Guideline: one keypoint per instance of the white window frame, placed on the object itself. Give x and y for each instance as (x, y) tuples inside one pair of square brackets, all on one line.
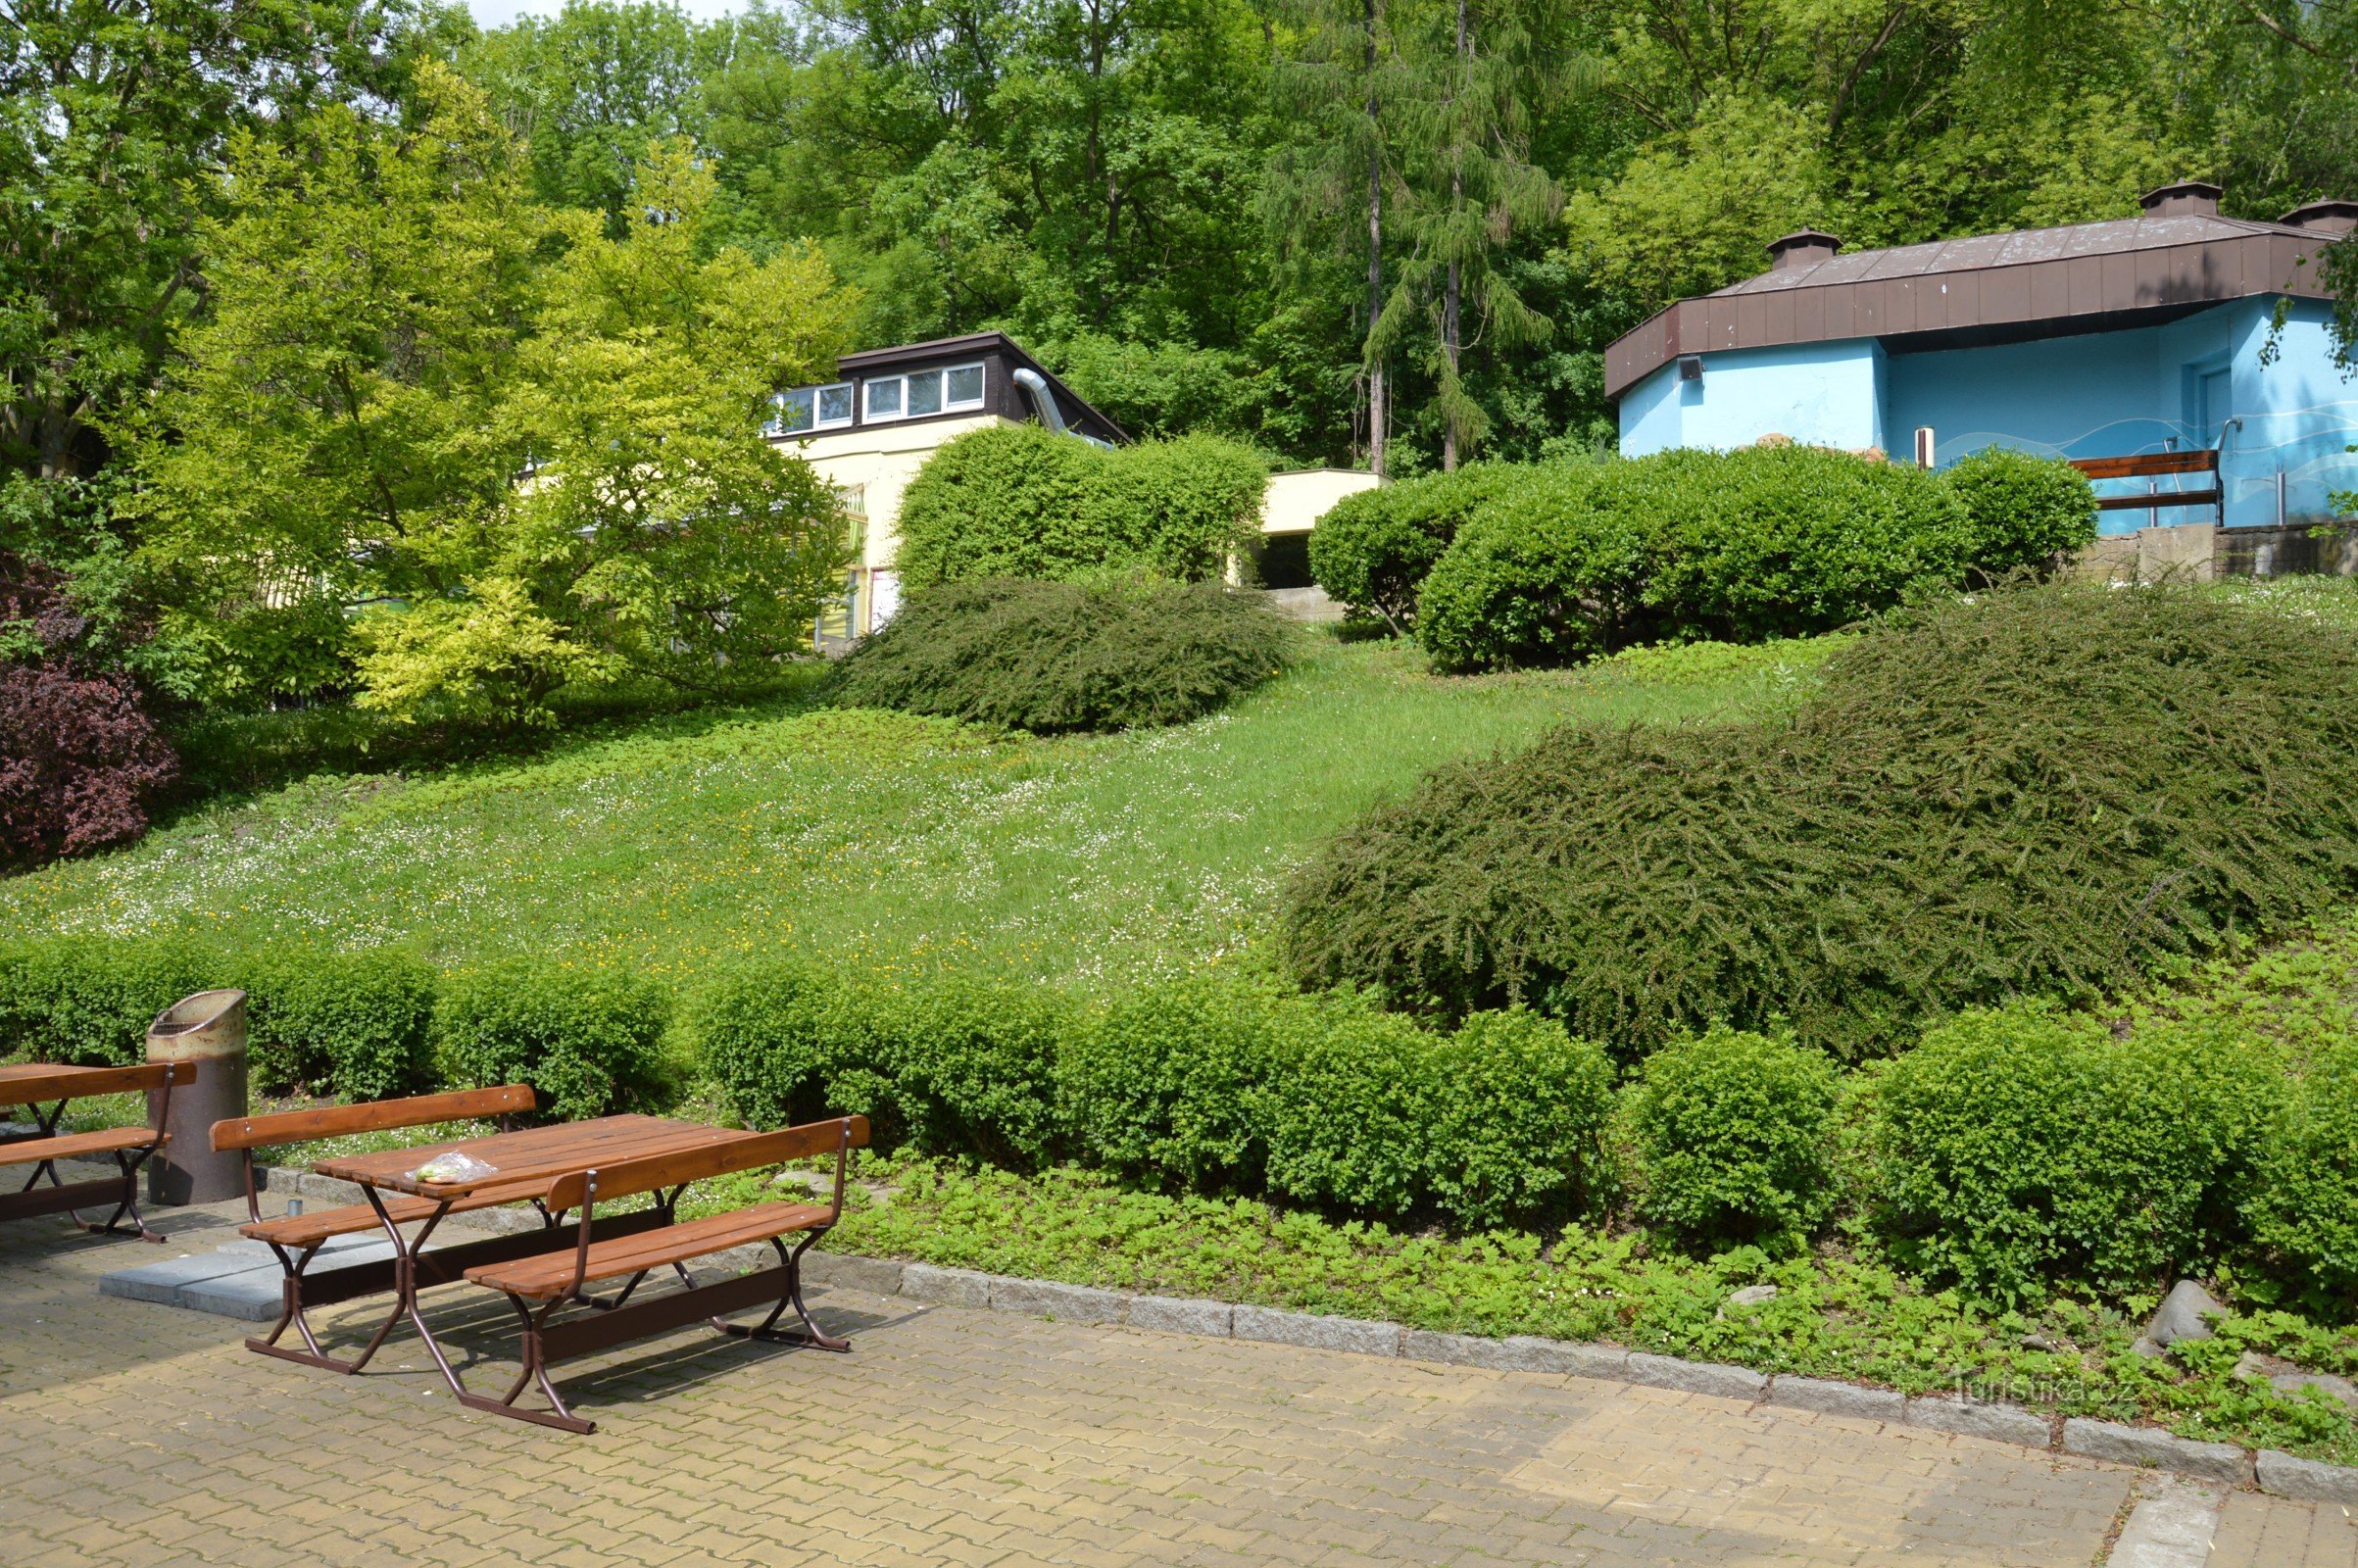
[(941, 376), (819, 421)]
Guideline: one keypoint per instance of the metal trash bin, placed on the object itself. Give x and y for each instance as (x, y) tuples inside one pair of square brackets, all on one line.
[(209, 1030)]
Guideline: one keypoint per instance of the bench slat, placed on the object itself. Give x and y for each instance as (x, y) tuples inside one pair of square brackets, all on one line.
[(308, 1230), (749, 1153), (78, 1083), (551, 1273), (72, 1146), (376, 1116)]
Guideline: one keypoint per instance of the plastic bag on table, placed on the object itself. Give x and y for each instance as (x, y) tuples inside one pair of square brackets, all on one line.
[(454, 1166)]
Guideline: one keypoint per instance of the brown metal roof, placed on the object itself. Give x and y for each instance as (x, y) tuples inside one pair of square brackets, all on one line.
[(2038, 282)]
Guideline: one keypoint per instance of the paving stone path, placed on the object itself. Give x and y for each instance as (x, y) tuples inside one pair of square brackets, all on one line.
[(143, 1435)]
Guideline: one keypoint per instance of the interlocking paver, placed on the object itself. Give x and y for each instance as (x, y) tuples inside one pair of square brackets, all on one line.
[(959, 1437)]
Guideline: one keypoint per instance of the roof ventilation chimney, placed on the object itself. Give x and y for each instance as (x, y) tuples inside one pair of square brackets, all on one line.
[(2333, 216), (2189, 198), (1803, 247)]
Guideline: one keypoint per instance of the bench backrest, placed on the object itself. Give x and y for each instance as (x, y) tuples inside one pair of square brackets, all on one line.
[(75, 1083), (377, 1115), (2148, 464), (749, 1153)]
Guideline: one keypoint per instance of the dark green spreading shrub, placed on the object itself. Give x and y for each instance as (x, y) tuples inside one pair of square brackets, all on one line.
[(1019, 501), (1372, 550), (2044, 792), (1054, 657), (1730, 1140), (1566, 561), (2023, 512), (588, 1042), (87, 1001), (358, 1025), (2018, 1147)]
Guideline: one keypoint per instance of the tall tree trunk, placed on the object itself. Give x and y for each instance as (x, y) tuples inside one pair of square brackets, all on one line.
[(1376, 410), (1452, 290)]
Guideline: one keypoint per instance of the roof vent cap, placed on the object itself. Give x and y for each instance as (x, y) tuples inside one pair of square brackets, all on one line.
[(2331, 216), (2189, 198), (1803, 247)]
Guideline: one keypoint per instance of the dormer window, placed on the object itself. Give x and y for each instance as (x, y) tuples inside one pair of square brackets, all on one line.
[(805, 408), (957, 389)]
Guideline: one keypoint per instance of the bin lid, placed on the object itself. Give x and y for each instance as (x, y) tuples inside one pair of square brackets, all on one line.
[(191, 1013)]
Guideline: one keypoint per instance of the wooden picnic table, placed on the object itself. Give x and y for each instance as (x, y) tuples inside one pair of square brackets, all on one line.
[(526, 1164), (46, 1088)]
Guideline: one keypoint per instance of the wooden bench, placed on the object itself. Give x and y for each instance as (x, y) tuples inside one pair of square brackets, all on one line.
[(39, 1085), (2154, 465), (537, 1287), (296, 1238)]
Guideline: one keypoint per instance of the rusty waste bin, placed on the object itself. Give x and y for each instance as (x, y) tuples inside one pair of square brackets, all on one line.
[(208, 1029)]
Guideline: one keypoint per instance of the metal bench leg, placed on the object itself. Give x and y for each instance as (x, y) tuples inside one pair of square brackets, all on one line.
[(292, 1312), (811, 1334), (535, 1369), (128, 1163)]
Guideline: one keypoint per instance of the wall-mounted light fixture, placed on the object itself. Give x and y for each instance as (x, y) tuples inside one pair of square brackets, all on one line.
[(1691, 368)]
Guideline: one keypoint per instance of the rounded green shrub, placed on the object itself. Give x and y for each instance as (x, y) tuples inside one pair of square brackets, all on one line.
[(589, 1043), (1018, 501), (1372, 550), (1517, 1116), (1549, 570), (87, 1001), (2051, 791), (2303, 1206), (1056, 657), (1730, 1140), (1164, 1083), (2022, 512), (1346, 1103), (2021, 1146), (769, 1034), (359, 1025)]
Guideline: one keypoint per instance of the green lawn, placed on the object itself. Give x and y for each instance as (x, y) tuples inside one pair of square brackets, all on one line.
[(678, 841)]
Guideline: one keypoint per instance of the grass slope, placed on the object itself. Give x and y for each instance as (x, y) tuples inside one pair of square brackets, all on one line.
[(877, 837)]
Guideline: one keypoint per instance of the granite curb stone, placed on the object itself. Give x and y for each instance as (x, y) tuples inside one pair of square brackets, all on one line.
[(2306, 1479), (1067, 1303), (1172, 1314), (1828, 1398), (1696, 1377), (2159, 1451), (1313, 1331), (1998, 1423)]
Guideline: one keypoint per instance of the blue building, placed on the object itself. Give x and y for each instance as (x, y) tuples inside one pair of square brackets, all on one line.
[(2176, 331)]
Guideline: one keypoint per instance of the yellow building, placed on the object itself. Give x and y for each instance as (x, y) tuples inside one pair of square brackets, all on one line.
[(869, 430)]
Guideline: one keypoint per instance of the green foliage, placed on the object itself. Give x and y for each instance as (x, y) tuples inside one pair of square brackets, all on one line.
[(1688, 544), (2303, 1206), (2018, 1147), (1347, 1108), (1730, 1138), (1518, 1112), (2051, 791), (1056, 657), (396, 333), (1025, 501), (358, 1025), (88, 1002), (1372, 550), (588, 1042), (1164, 1084), (2023, 512)]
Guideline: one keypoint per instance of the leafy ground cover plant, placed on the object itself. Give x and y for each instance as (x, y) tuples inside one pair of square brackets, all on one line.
[(1053, 656), (2053, 791)]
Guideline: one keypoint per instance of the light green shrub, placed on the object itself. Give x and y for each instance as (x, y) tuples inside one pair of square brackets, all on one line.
[(1730, 1140), (2022, 512), (87, 1001), (360, 1025), (1518, 1112), (2303, 1206), (1372, 550), (1549, 570), (589, 1043), (2017, 1147), (1024, 502), (1164, 1084)]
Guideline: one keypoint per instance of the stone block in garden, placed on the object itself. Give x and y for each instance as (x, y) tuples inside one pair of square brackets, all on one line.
[(2289, 1477), (949, 1286), (879, 1276)]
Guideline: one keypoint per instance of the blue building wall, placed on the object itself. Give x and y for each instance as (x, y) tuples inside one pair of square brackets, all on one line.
[(2207, 380), (1821, 393)]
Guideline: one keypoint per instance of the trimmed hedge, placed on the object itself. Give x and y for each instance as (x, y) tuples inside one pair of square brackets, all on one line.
[(1019, 501), (2051, 791), (2303, 1206), (1372, 550), (1053, 656), (2016, 1148), (1731, 1139), (1190, 1084), (87, 1001), (589, 1043), (357, 1025), (1565, 562)]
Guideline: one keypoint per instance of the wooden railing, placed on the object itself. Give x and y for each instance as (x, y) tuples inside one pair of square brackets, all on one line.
[(2151, 465)]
